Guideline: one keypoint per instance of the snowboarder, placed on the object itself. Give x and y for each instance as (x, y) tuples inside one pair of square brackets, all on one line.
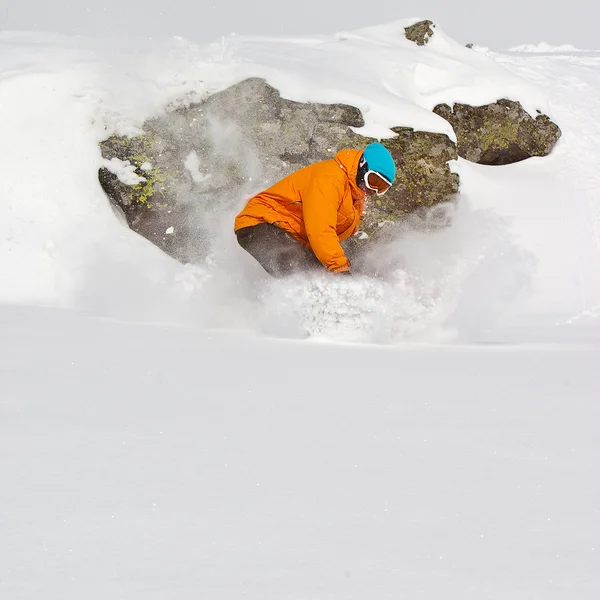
[(298, 223)]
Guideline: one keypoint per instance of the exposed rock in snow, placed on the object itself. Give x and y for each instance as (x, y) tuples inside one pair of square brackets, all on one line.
[(420, 32), (245, 138), (500, 133)]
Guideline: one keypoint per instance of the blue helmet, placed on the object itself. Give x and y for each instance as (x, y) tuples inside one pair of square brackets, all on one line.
[(380, 160)]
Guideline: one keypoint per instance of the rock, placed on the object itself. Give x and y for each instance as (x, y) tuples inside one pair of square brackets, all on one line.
[(501, 133), (423, 177), (200, 162), (420, 32)]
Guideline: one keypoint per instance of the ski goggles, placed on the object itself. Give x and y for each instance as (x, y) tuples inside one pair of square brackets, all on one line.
[(377, 182)]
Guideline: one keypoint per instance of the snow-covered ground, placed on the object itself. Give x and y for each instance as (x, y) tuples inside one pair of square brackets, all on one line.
[(198, 431)]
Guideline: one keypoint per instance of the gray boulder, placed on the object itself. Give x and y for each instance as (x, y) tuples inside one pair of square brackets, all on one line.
[(500, 133), (194, 165)]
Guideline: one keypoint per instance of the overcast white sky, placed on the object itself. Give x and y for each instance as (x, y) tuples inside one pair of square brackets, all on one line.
[(494, 24)]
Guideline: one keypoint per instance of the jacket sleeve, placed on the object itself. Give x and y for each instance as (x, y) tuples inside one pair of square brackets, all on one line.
[(320, 202)]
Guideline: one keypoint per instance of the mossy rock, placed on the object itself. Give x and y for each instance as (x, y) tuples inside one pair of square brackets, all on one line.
[(420, 33), (140, 152), (423, 178), (500, 133), (205, 159)]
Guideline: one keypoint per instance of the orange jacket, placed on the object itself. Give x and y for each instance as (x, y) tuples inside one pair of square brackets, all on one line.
[(320, 205)]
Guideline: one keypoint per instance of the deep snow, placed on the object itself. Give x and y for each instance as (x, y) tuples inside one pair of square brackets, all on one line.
[(159, 437), (144, 461)]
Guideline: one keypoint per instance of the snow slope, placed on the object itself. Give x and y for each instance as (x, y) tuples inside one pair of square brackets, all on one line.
[(160, 439), (60, 232), (154, 462)]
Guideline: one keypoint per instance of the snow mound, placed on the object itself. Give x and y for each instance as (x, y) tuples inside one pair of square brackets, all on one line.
[(544, 47)]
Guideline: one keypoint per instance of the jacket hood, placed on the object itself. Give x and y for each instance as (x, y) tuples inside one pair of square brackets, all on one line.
[(348, 161)]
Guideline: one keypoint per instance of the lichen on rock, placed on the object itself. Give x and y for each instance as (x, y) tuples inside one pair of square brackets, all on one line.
[(139, 152)]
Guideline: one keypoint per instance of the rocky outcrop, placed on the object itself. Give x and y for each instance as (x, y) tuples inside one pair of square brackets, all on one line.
[(501, 133), (420, 32), (423, 179), (192, 165)]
